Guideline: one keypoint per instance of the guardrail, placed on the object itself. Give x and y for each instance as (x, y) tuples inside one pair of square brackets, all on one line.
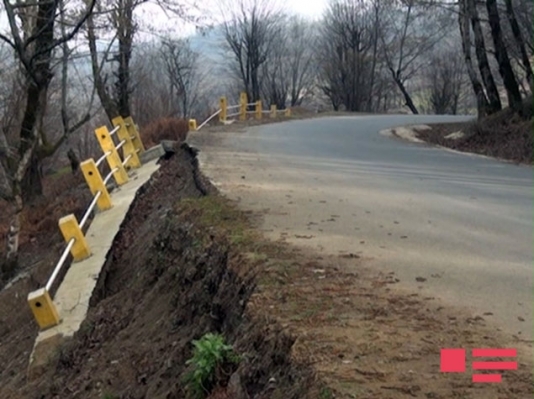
[(243, 107), (129, 142)]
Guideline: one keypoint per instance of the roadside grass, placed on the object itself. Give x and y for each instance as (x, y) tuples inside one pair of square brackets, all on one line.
[(61, 172), (293, 290)]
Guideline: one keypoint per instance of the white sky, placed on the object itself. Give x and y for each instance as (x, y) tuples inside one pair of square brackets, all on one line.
[(155, 21), (307, 8)]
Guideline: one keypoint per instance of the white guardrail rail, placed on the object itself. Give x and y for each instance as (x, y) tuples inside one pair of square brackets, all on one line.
[(244, 110), (130, 145)]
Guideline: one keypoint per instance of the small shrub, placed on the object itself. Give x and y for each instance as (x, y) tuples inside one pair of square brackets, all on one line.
[(211, 357), (326, 393), (164, 129)]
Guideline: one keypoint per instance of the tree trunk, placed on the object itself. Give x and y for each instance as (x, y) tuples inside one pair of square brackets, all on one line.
[(501, 54), (105, 99), (465, 32), (73, 159), (10, 264), (407, 97), (520, 42), (38, 79), (369, 106), (32, 185), (494, 101)]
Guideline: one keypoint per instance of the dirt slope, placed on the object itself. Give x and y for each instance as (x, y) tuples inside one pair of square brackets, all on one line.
[(165, 283), (504, 135)]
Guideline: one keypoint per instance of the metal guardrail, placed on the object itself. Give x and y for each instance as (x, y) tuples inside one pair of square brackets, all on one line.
[(209, 119), (243, 107), (131, 146)]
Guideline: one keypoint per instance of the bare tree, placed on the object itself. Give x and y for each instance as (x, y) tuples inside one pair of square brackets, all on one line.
[(119, 16), (445, 79), (501, 54), (250, 32), (97, 66), (275, 74), (181, 67), (66, 115), (494, 101), (151, 96), (409, 32), (465, 34), (520, 43), (289, 73), (112, 70), (345, 54), (301, 68), (122, 20), (33, 38)]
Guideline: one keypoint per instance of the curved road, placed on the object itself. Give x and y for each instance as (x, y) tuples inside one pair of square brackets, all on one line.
[(455, 226)]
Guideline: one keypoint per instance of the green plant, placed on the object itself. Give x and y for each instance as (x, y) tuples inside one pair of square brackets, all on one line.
[(210, 354), (326, 393)]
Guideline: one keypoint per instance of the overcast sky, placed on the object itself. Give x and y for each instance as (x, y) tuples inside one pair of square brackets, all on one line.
[(154, 21), (308, 8)]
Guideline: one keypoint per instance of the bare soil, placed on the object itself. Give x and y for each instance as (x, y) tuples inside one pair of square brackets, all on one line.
[(166, 282), (504, 135)]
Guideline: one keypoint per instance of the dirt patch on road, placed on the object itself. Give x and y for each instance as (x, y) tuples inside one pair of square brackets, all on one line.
[(504, 135)]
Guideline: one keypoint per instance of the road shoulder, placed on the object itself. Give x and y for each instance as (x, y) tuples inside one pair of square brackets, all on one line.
[(362, 333)]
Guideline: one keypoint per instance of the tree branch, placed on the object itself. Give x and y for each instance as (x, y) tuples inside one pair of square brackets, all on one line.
[(69, 36)]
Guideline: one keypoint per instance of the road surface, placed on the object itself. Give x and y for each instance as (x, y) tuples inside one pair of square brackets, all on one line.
[(454, 226)]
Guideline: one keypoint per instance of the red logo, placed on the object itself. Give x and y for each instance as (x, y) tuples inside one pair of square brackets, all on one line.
[(452, 360)]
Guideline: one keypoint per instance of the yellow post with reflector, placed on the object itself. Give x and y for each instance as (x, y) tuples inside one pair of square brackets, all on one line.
[(96, 183), (71, 229), (224, 109), (243, 101), (258, 109), (132, 129), (114, 161), (273, 111), (128, 148), (193, 125), (43, 308)]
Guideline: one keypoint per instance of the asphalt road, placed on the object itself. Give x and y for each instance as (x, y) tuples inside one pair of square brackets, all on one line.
[(455, 226)]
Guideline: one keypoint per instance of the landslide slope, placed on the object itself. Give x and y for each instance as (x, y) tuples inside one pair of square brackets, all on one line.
[(166, 283)]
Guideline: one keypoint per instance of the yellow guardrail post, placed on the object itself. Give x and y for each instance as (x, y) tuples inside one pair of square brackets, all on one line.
[(258, 109), (96, 183), (273, 111), (193, 125), (243, 101), (43, 308), (132, 129), (224, 109), (114, 161), (128, 149), (71, 229), (288, 112)]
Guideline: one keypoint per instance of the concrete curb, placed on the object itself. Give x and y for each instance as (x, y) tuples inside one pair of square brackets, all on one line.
[(407, 133)]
